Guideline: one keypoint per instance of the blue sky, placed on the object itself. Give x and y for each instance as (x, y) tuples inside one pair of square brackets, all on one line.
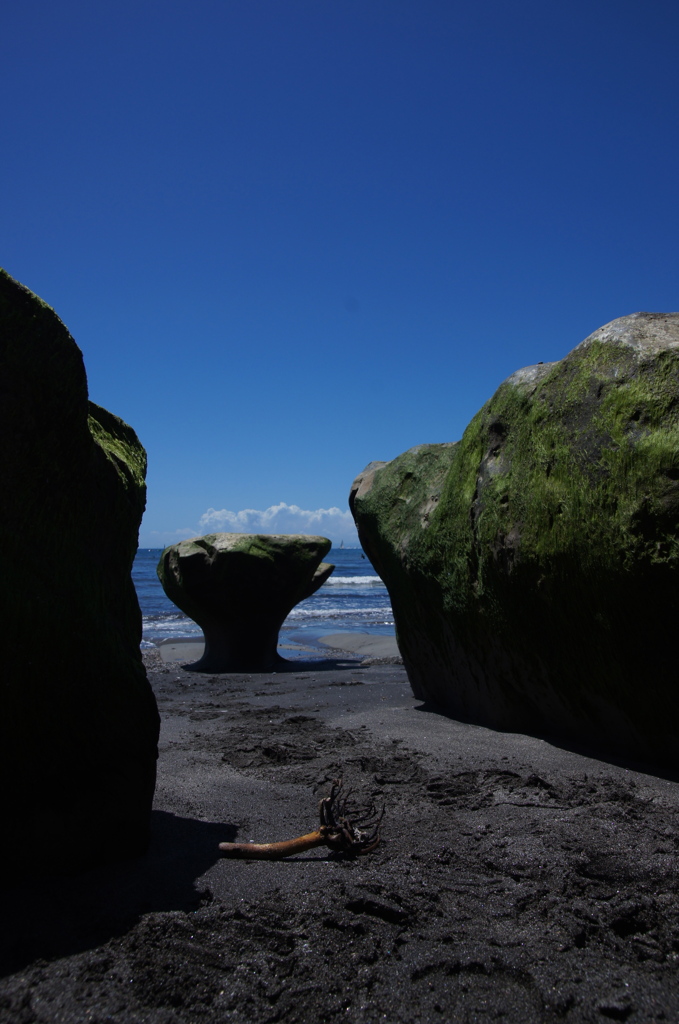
[(295, 236)]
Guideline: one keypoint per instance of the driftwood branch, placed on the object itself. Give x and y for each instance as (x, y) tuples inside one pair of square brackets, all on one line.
[(344, 827)]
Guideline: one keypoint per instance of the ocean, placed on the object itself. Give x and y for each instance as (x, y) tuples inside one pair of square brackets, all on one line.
[(353, 600)]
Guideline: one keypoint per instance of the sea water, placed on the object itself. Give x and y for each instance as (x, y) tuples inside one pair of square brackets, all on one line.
[(352, 600)]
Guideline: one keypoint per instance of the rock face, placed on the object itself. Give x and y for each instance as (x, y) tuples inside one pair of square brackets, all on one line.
[(533, 566), (78, 720), (239, 588)]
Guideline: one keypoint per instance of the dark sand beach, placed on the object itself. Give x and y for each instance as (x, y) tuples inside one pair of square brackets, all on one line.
[(516, 880)]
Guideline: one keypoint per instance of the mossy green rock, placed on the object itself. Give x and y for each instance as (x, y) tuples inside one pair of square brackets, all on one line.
[(239, 588), (78, 720), (533, 566)]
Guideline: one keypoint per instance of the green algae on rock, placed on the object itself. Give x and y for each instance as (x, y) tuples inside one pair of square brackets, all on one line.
[(239, 588), (533, 566), (79, 724)]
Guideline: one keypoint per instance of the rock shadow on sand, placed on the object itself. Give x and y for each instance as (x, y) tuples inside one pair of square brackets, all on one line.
[(50, 917), (596, 752)]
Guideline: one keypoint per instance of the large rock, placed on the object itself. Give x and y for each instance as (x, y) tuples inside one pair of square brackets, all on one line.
[(78, 720), (533, 567), (239, 588)]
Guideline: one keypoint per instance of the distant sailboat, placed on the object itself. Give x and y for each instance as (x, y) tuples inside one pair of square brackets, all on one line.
[(341, 544)]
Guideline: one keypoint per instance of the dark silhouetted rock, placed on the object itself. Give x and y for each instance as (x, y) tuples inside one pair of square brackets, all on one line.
[(239, 588), (78, 720), (533, 567)]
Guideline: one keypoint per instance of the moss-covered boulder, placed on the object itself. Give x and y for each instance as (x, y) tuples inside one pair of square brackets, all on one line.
[(533, 566), (78, 720), (239, 588)]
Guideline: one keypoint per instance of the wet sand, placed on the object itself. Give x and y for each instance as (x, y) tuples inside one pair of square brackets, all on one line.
[(516, 880)]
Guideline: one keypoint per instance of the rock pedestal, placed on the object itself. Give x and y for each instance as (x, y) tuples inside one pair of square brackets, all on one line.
[(533, 566), (239, 588), (78, 720)]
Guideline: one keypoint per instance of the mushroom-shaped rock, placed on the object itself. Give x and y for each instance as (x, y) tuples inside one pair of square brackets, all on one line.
[(239, 588), (533, 566), (78, 720)]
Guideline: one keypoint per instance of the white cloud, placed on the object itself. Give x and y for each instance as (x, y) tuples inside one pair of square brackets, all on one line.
[(334, 523)]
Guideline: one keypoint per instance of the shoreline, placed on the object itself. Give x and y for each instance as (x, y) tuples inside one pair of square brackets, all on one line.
[(515, 878), (376, 647)]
